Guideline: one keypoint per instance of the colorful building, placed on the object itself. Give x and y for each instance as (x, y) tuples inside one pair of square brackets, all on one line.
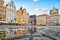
[(19, 16), (47, 19), (10, 13), (25, 17), (2, 12), (59, 19), (42, 19), (22, 17), (32, 20), (54, 16), (21, 32)]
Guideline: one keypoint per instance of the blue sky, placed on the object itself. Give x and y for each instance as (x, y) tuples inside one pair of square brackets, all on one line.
[(33, 6)]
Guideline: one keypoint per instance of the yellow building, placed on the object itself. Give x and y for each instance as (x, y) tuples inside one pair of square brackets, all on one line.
[(22, 17), (2, 11), (41, 20), (19, 17)]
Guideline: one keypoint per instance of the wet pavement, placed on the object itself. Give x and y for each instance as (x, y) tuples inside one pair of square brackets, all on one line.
[(50, 33)]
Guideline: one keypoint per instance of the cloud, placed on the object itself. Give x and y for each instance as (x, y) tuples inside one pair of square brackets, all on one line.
[(24, 6), (6, 0), (41, 11), (35, 0)]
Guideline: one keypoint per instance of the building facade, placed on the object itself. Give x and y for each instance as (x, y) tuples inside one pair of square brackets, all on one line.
[(22, 17), (10, 13), (42, 19), (32, 20), (54, 16), (25, 17), (2, 12), (19, 16), (59, 19), (47, 19)]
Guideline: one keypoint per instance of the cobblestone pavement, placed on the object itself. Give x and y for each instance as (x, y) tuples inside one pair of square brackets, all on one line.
[(52, 33)]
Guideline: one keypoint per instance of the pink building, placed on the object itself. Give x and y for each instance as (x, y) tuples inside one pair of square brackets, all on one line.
[(47, 19)]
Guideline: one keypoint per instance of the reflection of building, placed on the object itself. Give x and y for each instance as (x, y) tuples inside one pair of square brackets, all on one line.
[(2, 11), (10, 12), (22, 17), (32, 19), (21, 32), (42, 19), (54, 16)]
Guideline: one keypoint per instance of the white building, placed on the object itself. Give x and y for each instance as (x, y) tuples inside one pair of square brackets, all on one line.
[(54, 16), (10, 12)]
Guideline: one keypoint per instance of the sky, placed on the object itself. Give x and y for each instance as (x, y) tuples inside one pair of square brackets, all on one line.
[(37, 7)]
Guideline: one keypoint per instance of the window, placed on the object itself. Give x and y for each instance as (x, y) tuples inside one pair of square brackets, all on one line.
[(0, 12), (0, 17), (0, 7), (0, 2), (0, 33)]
